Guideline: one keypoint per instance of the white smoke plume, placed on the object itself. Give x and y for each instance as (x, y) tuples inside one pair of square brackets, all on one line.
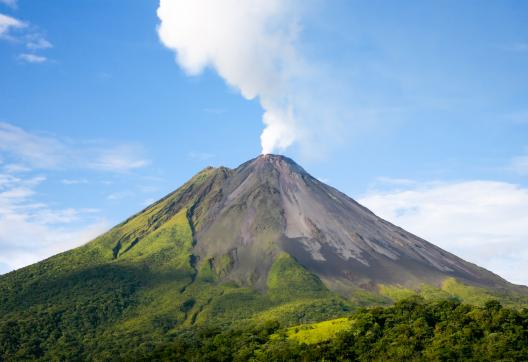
[(251, 44)]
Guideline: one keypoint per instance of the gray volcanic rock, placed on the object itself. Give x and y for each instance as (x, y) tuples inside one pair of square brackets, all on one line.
[(270, 205)]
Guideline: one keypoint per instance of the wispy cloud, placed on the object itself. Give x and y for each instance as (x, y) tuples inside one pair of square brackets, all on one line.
[(11, 3), (32, 58), (74, 181), (481, 221), (121, 158), (31, 230), (15, 168), (119, 195), (49, 152), (36, 42), (21, 32), (7, 23), (34, 149)]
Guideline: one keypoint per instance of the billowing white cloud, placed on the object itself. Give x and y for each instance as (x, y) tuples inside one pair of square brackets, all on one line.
[(252, 45), (485, 222)]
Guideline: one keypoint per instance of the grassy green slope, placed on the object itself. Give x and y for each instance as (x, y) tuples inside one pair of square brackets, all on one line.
[(456, 290)]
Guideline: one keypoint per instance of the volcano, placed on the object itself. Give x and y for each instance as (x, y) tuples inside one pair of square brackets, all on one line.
[(271, 205), (262, 241)]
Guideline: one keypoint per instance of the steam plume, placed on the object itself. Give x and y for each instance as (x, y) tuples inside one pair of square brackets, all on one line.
[(251, 45)]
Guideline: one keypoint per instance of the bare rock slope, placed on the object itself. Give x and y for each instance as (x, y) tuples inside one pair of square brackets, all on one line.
[(244, 217)]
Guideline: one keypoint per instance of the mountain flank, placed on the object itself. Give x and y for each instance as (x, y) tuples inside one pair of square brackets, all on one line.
[(264, 241)]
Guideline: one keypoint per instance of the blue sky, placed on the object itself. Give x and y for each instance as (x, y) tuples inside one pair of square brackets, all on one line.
[(419, 109)]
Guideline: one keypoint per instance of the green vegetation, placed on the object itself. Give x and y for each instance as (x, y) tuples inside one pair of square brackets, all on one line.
[(112, 309), (116, 312), (469, 294), (287, 279), (455, 290), (318, 332), (411, 330), (395, 292), (145, 290)]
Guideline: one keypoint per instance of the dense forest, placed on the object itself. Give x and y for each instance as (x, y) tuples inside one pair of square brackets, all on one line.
[(411, 329)]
